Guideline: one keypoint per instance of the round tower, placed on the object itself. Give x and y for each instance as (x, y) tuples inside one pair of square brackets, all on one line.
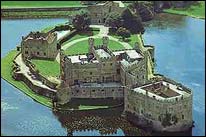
[(105, 41), (91, 44)]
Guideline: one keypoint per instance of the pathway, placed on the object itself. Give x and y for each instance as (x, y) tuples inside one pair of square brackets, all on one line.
[(103, 32), (25, 71)]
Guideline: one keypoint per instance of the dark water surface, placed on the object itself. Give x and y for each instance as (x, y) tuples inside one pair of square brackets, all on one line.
[(179, 54)]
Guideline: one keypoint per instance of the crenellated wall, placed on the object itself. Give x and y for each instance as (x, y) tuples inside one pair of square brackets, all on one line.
[(172, 114)]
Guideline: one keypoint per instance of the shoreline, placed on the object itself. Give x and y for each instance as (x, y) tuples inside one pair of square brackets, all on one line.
[(37, 98), (196, 17)]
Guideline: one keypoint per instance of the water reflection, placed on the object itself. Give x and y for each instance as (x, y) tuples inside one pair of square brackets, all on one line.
[(105, 121)]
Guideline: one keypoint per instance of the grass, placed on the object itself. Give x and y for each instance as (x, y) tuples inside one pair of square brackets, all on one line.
[(82, 46), (83, 35), (19, 4), (47, 68), (39, 14), (197, 10), (131, 40), (84, 107), (6, 69)]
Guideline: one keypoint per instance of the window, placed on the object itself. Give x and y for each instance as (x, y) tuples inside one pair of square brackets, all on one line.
[(37, 53), (44, 54), (93, 90), (111, 64), (182, 116), (118, 71), (26, 52), (90, 73), (112, 90)]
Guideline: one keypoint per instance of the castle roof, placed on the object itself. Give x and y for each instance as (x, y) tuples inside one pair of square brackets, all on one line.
[(133, 54), (102, 53), (162, 90)]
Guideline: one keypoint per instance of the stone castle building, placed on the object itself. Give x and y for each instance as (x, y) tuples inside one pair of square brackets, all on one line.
[(98, 12), (126, 75), (39, 45)]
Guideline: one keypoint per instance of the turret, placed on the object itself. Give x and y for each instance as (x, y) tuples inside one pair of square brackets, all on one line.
[(91, 44), (105, 41)]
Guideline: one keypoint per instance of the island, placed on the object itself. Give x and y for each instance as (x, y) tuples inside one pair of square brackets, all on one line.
[(95, 60)]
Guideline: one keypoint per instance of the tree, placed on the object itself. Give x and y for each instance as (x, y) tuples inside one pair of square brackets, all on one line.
[(114, 20), (132, 22), (123, 32), (81, 21)]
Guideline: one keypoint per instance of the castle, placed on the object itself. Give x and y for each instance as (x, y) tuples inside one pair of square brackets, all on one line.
[(39, 45), (149, 100)]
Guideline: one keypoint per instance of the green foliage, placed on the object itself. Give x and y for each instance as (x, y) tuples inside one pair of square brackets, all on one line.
[(81, 21), (123, 32), (132, 22), (114, 20)]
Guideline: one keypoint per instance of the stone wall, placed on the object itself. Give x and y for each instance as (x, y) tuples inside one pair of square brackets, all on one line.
[(39, 90), (39, 47), (97, 92), (168, 115)]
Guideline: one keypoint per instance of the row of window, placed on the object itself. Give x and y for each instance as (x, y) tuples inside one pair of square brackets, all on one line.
[(26, 52)]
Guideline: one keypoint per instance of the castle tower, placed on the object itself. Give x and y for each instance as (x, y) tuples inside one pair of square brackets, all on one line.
[(91, 44), (105, 41)]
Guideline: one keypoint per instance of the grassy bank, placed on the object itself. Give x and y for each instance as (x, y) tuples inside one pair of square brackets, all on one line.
[(29, 4), (39, 14), (6, 69), (197, 10)]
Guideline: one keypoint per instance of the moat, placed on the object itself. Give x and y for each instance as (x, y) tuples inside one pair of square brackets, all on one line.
[(15, 103)]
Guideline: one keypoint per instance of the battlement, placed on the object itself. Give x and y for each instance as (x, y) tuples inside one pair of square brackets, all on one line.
[(39, 36)]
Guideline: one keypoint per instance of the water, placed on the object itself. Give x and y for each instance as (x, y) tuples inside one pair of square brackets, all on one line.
[(179, 55)]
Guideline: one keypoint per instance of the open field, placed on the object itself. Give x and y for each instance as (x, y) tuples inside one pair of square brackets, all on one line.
[(6, 69), (47, 68), (82, 46), (197, 11), (25, 4)]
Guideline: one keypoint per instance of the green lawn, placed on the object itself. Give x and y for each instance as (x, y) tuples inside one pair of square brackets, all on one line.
[(131, 40), (197, 10), (11, 4), (47, 68), (82, 46), (83, 35), (84, 107), (6, 69)]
